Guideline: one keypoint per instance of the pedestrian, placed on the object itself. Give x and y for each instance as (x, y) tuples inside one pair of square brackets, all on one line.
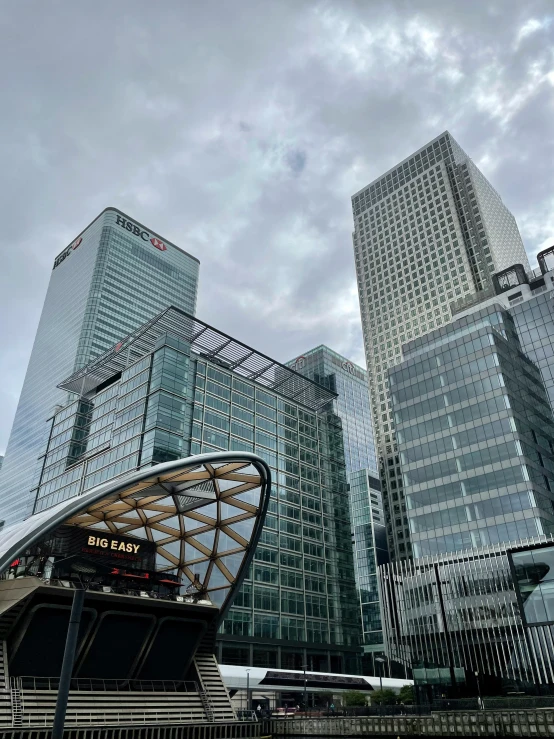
[(332, 707)]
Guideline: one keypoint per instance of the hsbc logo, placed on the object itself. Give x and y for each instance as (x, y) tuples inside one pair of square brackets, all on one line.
[(67, 251), (137, 231), (158, 244)]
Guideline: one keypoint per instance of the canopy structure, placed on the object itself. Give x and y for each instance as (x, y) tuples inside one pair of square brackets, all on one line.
[(204, 514), (205, 341)]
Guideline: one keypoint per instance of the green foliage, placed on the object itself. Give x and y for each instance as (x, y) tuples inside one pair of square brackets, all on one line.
[(384, 697), (353, 698), (406, 694)]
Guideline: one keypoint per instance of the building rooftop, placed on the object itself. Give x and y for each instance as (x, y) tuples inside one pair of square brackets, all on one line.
[(207, 342), (339, 359), (138, 223), (406, 159)]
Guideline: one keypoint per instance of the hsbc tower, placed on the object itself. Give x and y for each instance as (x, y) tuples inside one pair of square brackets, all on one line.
[(112, 278)]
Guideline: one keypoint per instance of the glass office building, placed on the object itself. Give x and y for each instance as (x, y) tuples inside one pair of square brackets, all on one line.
[(352, 405), (427, 232), (177, 387), (475, 435), (112, 278)]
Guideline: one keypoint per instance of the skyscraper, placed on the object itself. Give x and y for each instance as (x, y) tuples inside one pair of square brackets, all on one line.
[(427, 232), (112, 278), (349, 382), (178, 387)]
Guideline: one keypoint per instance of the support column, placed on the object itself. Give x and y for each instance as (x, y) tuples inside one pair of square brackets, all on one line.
[(68, 662)]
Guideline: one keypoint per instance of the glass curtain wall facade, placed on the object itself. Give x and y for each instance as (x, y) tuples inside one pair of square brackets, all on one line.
[(477, 623), (295, 606), (427, 232), (352, 405), (528, 298), (112, 278), (475, 435), (349, 382)]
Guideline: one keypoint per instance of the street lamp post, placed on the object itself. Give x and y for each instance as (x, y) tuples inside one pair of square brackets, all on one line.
[(304, 667), (479, 699), (248, 701), (381, 662)]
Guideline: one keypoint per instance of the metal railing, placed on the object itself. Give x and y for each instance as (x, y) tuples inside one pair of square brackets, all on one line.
[(245, 715), (113, 586), (98, 718), (426, 709), (27, 682), (515, 702)]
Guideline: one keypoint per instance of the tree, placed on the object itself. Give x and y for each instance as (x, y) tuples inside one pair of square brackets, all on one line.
[(385, 697), (353, 698), (406, 694)]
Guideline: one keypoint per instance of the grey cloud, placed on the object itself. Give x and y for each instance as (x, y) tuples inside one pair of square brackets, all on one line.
[(296, 160), (240, 130)]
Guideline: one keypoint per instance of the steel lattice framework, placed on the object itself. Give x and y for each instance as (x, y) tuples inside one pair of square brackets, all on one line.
[(204, 514), (205, 341)]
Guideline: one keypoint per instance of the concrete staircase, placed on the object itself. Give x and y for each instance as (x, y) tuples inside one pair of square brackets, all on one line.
[(90, 708), (212, 685)]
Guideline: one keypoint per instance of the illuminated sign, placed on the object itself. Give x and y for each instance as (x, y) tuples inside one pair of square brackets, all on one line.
[(139, 231), (109, 547), (300, 363), (115, 545)]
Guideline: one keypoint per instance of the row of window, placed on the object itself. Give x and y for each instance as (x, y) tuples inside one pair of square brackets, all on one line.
[(452, 397), (472, 412), (457, 373), (477, 435), (500, 506), (499, 533), (485, 483)]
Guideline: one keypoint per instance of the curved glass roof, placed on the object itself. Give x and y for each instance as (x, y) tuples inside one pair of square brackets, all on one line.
[(204, 514)]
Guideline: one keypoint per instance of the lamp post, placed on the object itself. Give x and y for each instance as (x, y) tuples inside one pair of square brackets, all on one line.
[(381, 662), (479, 699), (248, 701), (304, 667)]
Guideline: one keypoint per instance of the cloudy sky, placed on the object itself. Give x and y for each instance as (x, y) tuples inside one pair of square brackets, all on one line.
[(239, 129)]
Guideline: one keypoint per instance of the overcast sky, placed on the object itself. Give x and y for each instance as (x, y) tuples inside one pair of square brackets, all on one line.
[(240, 129)]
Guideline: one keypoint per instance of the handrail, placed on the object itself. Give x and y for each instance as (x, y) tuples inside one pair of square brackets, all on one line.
[(77, 718), (244, 714), (29, 682)]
